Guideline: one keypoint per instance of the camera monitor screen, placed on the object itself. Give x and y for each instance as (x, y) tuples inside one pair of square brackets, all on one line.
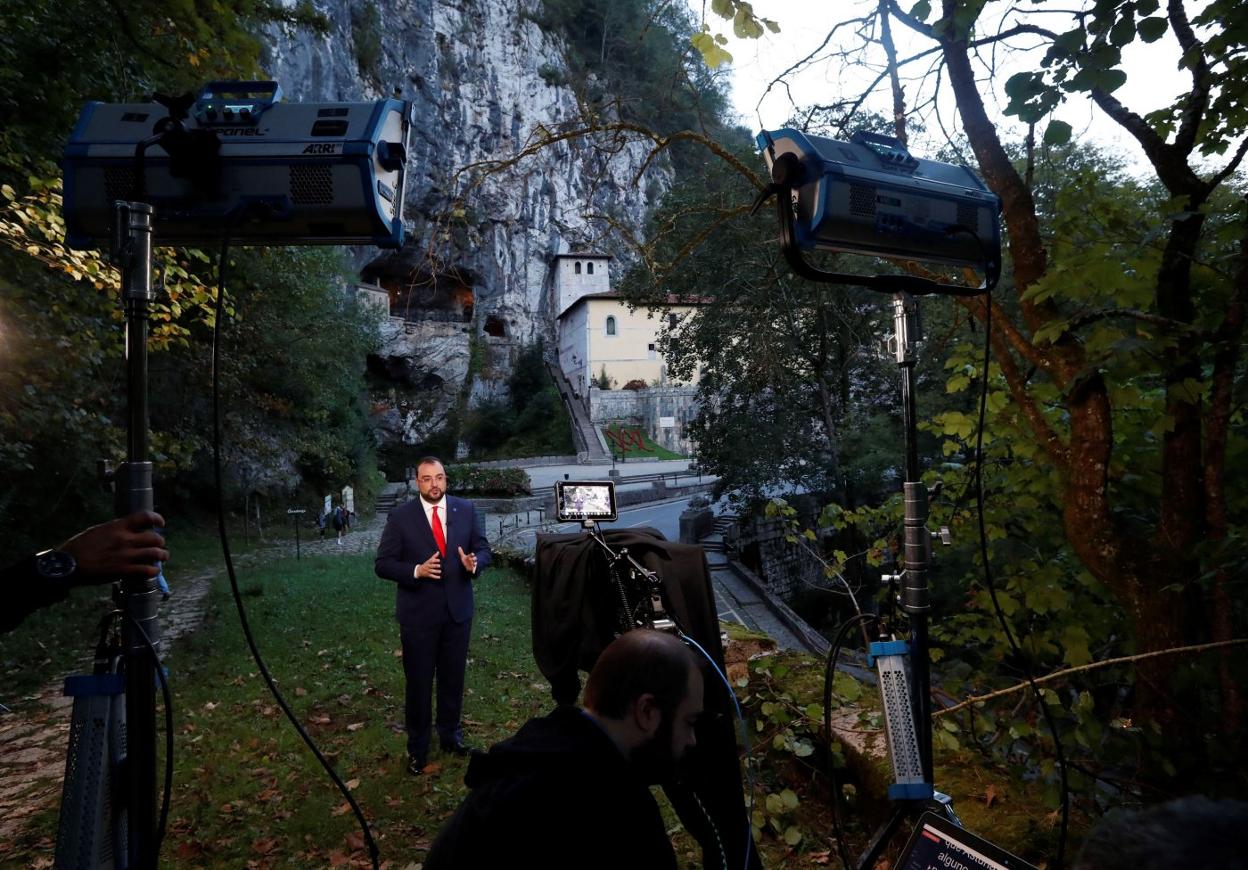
[(939, 844), (581, 500)]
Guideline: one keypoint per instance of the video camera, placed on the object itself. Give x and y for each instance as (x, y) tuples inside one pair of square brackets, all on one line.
[(234, 162)]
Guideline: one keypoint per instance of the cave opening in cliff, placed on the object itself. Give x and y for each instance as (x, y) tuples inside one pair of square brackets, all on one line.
[(495, 326), (421, 295)]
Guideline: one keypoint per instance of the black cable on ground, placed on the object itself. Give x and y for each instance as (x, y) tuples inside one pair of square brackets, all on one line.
[(1060, 859), (229, 561), (829, 674)]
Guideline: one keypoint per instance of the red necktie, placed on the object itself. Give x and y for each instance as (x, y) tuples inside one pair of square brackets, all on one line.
[(438, 537)]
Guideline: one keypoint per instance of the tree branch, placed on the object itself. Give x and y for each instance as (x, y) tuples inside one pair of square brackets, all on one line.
[(1080, 320), (1062, 674), (1198, 100), (1171, 165)]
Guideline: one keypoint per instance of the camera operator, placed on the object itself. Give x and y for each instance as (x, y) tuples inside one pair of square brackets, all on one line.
[(125, 547), (571, 789), (1192, 831)]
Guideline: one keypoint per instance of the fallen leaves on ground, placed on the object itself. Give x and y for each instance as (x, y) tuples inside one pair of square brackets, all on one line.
[(264, 845)]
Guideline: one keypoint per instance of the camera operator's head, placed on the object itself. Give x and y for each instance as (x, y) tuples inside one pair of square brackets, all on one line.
[(431, 479), (646, 692), (1192, 831)]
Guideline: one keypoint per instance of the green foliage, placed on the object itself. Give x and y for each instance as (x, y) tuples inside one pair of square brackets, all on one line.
[(296, 353), (787, 732), (603, 381), (54, 56), (531, 422), (1088, 57), (789, 392), (552, 75), (62, 394), (366, 36), (746, 24), (295, 418), (63, 398), (627, 59), (469, 480)]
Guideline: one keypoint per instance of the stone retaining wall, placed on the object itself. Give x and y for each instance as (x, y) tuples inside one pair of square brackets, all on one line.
[(782, 567)]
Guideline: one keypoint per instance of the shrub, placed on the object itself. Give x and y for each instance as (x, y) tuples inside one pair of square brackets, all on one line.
[(635, 384), (366, 34), (469, 480)]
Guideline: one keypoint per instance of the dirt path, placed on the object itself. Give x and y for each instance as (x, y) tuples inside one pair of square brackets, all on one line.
[(33, 738)]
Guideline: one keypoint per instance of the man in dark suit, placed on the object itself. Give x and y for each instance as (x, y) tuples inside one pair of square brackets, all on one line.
[(432, 548)]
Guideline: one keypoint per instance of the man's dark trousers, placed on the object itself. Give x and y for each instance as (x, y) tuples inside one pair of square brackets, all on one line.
[(435, 616)]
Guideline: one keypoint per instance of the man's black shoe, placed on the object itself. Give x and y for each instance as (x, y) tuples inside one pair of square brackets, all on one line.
[(456, 749), (415, 766)]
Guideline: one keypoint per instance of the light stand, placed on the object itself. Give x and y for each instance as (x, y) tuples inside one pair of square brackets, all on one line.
[(138, 596), (909, 730), (108, 807), (909, 725)]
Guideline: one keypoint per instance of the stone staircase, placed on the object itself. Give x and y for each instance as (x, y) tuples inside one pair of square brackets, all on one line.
[(713, 541), (583, 431), (391, 495)]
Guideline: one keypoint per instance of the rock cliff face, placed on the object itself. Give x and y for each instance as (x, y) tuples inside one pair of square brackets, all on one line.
[(474, 279)]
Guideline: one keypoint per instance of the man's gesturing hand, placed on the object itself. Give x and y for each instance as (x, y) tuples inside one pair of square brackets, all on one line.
[(430, 569), (469, 560)]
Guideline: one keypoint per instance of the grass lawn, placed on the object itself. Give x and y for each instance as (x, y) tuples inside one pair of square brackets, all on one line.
[(248, 793), (648, 450), (246, 789)]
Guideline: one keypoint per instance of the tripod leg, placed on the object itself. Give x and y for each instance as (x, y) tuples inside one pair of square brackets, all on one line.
[(881, 837)]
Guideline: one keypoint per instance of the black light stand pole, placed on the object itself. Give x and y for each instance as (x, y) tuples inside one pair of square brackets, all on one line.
[(915, 600), (139, 597)]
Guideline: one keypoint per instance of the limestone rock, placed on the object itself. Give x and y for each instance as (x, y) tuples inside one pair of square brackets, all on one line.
[(480, 75)]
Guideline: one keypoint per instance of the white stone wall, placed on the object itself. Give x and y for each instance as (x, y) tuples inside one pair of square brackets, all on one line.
[(649, 409), (574, 349), (372, 296), (571, 286), (632, 353)]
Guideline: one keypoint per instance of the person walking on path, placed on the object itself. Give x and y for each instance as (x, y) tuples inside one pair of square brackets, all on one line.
[(339, 523), (432, 549)]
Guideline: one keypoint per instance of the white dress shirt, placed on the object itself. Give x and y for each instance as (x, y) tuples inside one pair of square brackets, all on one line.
[(441, 506)]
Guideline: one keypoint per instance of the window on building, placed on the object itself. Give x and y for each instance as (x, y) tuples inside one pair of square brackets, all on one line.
[(653, 351), (672, 320), (589, 267), (611, 325), (577, 267)]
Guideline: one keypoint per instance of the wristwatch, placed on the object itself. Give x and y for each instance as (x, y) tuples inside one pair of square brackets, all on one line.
[(55, 565)]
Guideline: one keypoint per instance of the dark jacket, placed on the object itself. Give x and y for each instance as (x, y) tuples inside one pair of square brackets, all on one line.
[(408, 540), (575, 615), (558, 794)]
